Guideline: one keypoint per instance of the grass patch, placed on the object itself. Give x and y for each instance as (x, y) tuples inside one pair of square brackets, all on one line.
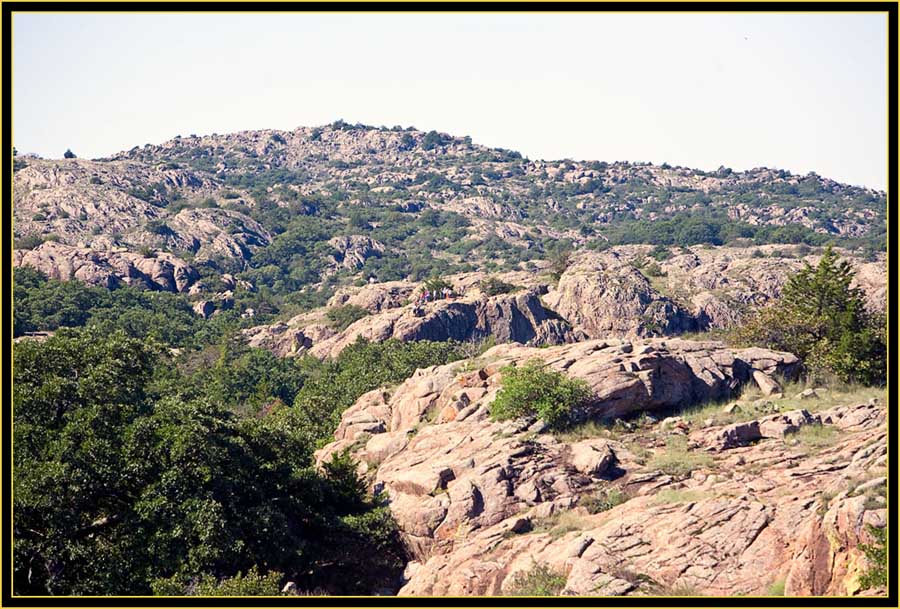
[(776, 588), (583, 431), (676, 460), (668, 496), (836, 394), (603, 500), (540, 580), (676, 590), (560, 524), (812, 438)]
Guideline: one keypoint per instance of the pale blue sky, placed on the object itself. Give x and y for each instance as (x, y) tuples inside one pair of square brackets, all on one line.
[(792, 91)]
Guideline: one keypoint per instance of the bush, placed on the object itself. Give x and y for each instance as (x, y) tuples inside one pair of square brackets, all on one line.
[(876, 555), (493, 287), (536, 390), (342, 317), (28, 242), (603, 500), (68, 154), (251, 584), (652, 269), (540, 580), (158, 227), (824, 321)]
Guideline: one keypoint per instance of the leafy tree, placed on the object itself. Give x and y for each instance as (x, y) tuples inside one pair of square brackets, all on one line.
[(435, 284), (117, 488), (68, 154), (536, 390), (560, 258), (824, 321)]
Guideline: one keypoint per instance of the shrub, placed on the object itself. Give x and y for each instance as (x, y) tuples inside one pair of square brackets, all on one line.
[(38, 217), (876, 554), (603, 500), (251, 584), (540, 580), (68, 154), (493, 286), (158, 227), (342, 317), (653, 270), (535, 389), (28, 242)]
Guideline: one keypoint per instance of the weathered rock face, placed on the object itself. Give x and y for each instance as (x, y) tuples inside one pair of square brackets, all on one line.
[(351, 252), (479, 501), (79, 199), (375, 297), (109, 268), (518, 317), (286, 340), (702, 288), (604, 295), (210, 233)]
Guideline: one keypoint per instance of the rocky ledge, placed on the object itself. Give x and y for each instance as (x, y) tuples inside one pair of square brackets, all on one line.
[(700, 508)]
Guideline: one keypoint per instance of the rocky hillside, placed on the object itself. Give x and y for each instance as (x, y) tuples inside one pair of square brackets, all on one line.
[(315, 208), (769, 495), (620, 292)]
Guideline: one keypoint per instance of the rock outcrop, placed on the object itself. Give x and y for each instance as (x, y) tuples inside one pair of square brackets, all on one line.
[(109, 268), (479, 502), (604, 295), (518, 317), (351, 252)]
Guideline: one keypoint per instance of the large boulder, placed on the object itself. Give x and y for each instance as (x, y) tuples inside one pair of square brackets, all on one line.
[(604, 295)]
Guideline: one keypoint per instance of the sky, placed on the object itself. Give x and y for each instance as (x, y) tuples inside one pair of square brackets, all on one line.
[(802, 92)]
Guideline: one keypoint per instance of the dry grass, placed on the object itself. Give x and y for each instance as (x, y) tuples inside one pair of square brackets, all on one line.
[(668, 496), (836, 395), (811, 439), (676, 460), (561, 523)]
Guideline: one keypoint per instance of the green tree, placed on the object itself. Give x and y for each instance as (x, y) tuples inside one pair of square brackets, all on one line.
[(68, 154), (117, 488), (824, 321)]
